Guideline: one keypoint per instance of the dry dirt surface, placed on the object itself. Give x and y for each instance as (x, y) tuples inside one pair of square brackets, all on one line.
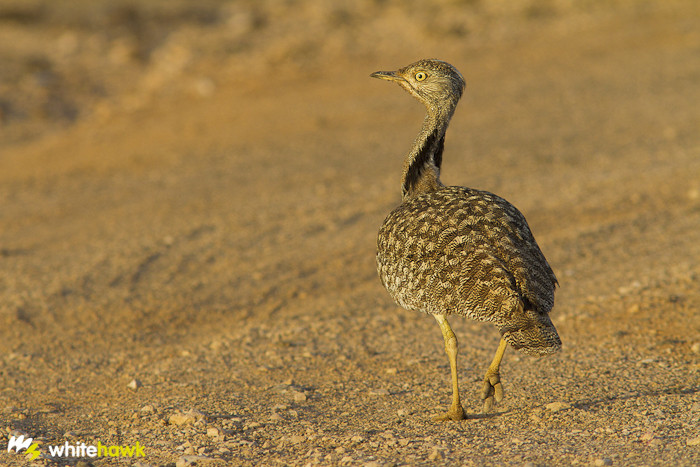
[(189, 199)]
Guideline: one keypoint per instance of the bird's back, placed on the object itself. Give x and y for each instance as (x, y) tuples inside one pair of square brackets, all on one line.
[(462, 251)]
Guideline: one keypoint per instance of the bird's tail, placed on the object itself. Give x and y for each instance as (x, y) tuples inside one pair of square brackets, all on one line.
[(532, 333)]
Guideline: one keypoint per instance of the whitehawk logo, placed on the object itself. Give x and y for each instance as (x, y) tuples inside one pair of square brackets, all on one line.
[(20, 442)]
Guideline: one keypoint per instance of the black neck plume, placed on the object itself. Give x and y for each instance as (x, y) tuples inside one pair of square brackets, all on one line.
[(423, 171)]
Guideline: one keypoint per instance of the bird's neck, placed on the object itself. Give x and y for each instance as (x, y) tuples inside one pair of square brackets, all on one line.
[(421, 173)]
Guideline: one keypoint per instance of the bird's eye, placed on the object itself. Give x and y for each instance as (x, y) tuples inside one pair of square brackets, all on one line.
[(420, 76)]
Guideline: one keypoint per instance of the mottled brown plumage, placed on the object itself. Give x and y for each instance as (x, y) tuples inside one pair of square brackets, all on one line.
[(455, 250)]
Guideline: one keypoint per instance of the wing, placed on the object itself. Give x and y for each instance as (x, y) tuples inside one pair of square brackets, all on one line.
[(464, 251)]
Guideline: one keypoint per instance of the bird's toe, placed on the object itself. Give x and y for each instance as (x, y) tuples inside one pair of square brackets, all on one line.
[(456, 413), (492, 391)]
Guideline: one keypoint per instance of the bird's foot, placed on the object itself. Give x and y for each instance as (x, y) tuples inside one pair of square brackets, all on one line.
[(455, 413), (492, 391)]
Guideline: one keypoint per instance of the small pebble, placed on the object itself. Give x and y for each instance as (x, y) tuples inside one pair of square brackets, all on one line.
[(186, 461), (191, 417), (693, 441), (436, 454), (557, 406), (134, 384)]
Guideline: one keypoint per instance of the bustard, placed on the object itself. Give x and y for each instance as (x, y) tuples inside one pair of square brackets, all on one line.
[(455, 250)]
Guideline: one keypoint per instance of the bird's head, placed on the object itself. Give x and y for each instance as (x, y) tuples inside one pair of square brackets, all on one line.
[(437, 84)]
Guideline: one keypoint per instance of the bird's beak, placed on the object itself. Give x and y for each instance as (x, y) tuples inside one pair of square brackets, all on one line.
[(387, 75)]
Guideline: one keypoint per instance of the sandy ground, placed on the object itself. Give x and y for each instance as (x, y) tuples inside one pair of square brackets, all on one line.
[(189, 202)]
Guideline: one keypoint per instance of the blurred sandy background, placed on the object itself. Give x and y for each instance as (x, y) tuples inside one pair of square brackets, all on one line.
[(190, 194)]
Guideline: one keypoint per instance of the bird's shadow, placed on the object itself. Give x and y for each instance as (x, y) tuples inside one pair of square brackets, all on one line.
[(591, 403), (585, 404)]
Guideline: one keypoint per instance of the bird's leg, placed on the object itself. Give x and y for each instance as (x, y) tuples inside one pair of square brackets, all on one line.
[(492, 387), (456, 412)]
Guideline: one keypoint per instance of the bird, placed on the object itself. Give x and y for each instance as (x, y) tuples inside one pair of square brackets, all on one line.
[(450, 250)]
